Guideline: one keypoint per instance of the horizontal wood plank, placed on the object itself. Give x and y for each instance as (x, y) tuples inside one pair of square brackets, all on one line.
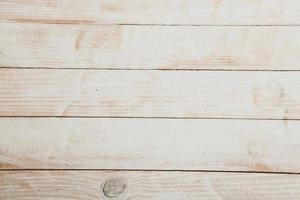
[(149, 47), (223, 145), (147, 185), (127, 93), (187, 12)]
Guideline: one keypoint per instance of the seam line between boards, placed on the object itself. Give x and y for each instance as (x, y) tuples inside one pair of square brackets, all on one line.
[(154, 170), (95, 23), (158, 118), (145, 69)]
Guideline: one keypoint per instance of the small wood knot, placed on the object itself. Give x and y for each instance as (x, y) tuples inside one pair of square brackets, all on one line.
[(113, 187)]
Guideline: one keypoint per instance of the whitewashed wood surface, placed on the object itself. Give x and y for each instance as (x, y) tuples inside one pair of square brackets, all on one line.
[(177, 12), (158, 144), (147, 185), (130, 93), (137, 99), (149, 47)]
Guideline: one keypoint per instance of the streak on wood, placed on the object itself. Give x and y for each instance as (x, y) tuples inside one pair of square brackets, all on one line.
[(183, 94), (73, 143), (203, 12), (149, 47), (149, 185)]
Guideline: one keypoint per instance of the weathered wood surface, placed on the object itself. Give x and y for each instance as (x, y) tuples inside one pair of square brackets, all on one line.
[(180, 94), (147, 185), (187, 12), (164, 144), (65, 132), (149, 47)]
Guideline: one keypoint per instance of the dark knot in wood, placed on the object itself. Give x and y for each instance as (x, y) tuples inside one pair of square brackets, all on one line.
[(114, 187)]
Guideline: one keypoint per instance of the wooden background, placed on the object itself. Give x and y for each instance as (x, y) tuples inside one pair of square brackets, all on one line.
[(138, 99)]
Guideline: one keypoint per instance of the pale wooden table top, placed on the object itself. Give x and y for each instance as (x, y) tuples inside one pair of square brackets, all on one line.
[(138, 99)]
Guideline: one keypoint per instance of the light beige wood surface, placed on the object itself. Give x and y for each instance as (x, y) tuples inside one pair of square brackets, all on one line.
[(164, 144), (149, 47), (130, 93), (147, 185), (188, 12), (138, 99)]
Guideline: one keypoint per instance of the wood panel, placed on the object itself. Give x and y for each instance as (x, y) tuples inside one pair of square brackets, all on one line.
[(73, 143), (149, 47), (147, 185), (84, 133), (180, 94), (189, 12)]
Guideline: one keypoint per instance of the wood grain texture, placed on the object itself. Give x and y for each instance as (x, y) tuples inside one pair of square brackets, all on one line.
[(148, 185), (223, 145), (188, 12), (149, 47), (180, 94)]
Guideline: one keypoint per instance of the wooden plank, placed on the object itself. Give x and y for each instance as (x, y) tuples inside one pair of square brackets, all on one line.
[(188, 12), (149, 47), (223, 145), (180, 94), (147, 185)]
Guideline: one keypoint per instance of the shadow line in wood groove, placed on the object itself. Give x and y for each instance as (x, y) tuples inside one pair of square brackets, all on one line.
[(147, 69), (95, 23), (158, 118), (155, 170)]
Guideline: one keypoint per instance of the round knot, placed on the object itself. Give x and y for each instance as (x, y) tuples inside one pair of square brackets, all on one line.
[(113, 187)]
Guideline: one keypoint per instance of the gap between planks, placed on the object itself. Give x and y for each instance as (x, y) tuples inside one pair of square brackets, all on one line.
[(94, 23), (154, 170), (152, 118), (158, 69)]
